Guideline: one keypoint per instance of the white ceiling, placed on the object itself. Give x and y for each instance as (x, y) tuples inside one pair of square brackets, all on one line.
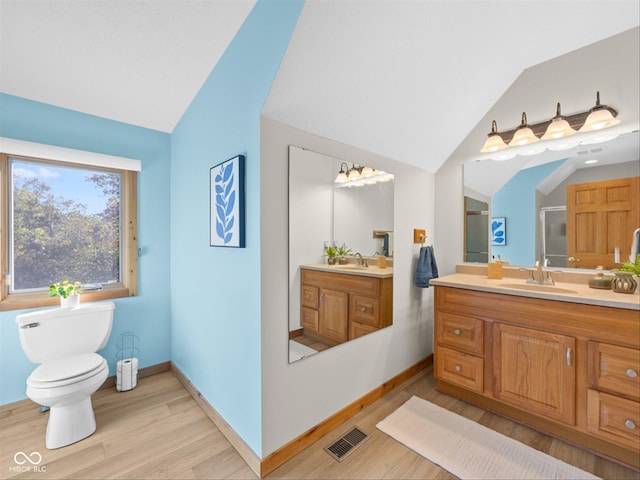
[(407, 79), (135, 61)]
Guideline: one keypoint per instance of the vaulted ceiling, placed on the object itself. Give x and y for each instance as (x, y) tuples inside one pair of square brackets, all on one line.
[(407, 79)]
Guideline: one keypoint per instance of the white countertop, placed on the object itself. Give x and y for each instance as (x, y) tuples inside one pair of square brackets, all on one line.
[(352, 269), (562, 291)]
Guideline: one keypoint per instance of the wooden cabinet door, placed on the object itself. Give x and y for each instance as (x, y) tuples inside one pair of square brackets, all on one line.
[(600, 217), (365, 310), (535, 370), (334, 314)]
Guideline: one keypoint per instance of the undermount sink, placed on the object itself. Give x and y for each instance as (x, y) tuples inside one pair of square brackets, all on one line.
[(538, 288), (350, 267)]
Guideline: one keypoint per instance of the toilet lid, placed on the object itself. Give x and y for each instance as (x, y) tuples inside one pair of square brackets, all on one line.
[(67, 368)]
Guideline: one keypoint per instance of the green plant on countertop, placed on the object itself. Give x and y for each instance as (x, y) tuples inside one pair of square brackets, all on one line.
[(343, 250), (331, 252), (64, 289), (630, 267)]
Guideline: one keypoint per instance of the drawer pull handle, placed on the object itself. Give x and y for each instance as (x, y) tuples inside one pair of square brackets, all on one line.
[(457, 331), (457, 368), (363, 309), (630, 424), (307, 295), (631, 373), (568, 356)]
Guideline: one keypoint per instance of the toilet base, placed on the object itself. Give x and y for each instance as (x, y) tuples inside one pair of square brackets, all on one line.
[(70, 423)]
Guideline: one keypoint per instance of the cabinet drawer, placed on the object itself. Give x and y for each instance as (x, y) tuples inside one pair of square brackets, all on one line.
[(613, 418), (357, 329), (615, 369), (357, 284), (462, 333), (364, 310), (309, 319), (459, 368), (309, 296)]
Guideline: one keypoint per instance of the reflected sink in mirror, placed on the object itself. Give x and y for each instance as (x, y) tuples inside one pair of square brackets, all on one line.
[(538, 288), (321, 213)]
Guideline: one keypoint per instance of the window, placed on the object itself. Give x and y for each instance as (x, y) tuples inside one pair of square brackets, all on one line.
[(65, 221)]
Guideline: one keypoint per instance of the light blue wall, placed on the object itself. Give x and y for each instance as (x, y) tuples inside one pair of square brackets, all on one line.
[(215, 291), (516, 201), (146, 315)]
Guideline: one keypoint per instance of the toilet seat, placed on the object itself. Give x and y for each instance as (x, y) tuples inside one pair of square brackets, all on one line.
[(67, 371)]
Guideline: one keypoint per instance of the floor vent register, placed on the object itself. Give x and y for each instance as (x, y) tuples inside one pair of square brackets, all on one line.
[(342, 447)]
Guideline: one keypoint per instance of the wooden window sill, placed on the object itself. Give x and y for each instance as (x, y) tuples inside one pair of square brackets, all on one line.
[(35, 300)]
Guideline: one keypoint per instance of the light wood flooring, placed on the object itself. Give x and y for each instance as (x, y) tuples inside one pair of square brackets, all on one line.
[(311, 343), (158, 431)]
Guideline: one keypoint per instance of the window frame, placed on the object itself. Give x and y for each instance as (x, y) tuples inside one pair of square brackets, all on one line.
[(129, 249)]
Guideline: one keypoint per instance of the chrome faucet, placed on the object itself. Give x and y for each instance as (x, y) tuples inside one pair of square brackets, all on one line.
[(538, 276), (360, 262)]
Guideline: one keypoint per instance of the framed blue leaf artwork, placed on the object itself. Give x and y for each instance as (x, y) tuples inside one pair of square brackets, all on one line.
[(498, 231), (227, 203)]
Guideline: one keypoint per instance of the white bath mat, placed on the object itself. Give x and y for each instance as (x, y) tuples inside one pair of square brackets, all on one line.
[(469, 450)]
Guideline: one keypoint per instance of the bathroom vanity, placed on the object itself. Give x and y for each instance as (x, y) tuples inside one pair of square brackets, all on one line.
[(564, 359), (342, 302)]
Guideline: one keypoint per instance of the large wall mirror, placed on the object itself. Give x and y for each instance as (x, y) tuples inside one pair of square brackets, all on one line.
[(323, 213), (540, 204)]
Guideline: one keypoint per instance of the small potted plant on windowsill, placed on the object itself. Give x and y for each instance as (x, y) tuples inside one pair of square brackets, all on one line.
[(68, 292), (624, 282)]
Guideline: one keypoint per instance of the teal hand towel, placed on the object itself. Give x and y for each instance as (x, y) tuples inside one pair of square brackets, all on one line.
[(427, 268)]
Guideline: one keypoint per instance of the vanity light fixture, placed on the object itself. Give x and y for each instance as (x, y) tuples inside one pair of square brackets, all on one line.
[(367, 172), (600, 116), (494, 141), (554, 132), (355, 173), (359, 176), (558, 127), (523, 134), (342, 174), (347, 174)]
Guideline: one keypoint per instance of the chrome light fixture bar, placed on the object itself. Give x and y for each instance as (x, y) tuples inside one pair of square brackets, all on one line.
[(559, 127)]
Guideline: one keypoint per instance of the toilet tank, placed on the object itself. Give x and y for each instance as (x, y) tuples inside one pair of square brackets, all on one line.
[(56, 333)]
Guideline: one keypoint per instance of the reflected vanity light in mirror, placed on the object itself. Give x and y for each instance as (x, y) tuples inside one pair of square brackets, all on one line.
[(564, 144), (357, 176), (377, 177)]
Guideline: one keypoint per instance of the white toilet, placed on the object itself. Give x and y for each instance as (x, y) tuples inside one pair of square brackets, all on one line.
[(64, 342)]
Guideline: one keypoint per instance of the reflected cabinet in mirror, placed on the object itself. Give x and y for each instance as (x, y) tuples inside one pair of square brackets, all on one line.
[(576, 208), (340, 251)]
